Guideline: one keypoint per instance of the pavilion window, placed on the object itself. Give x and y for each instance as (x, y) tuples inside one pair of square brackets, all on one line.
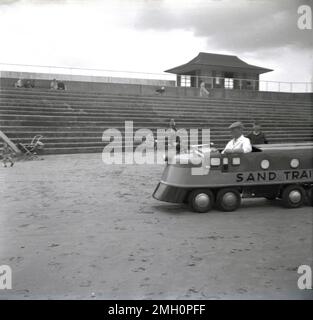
[(229, 83), (185, 81)]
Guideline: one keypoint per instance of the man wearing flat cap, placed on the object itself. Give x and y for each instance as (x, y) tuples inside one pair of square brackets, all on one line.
[(239, 143)]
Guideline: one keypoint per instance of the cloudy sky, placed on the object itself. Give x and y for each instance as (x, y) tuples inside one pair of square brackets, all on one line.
[(155, 35)]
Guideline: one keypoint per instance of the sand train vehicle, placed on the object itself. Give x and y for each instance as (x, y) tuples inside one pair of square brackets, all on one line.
[(205, 177)]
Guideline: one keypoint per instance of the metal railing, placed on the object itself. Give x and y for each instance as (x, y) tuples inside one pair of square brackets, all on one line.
[(103, 75), (87, 72), (246, 84)]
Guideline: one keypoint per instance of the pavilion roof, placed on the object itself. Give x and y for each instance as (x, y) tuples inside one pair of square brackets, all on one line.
[(204, 59)]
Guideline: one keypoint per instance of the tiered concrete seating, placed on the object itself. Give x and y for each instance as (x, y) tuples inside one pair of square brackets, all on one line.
[(73, 122)]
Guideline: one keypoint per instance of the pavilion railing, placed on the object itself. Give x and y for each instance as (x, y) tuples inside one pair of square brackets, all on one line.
[(95, 75), (245, 84)]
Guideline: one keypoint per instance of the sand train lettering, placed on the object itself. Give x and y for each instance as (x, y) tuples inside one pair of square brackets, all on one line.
[(271, 176)]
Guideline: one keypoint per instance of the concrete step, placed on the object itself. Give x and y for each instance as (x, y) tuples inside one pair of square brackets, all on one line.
[(120, 126), (99, 133), (98, 136), (98, 139), (48, 93), (63, 131), (139, 113), (215, 126), (145, 103), (147, 117), (218, 106), (74, 122), (98, 149), (93, 149)]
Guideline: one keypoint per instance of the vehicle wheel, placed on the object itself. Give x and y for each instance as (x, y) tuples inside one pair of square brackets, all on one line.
[(201, 200), (293, 196), (228, 199)]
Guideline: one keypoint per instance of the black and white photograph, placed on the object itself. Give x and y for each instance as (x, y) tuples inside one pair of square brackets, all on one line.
[(156, 150)]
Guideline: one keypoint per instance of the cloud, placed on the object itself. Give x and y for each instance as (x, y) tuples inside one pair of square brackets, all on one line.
[(232, 25), (155, 35), (94, 35), (7, 2), (261, 32)]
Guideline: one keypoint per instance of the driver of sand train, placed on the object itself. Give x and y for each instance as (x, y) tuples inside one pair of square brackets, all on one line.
[(239, 143)]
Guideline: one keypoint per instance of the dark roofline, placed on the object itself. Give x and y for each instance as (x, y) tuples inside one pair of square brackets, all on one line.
[(256, 68), (203, 55)]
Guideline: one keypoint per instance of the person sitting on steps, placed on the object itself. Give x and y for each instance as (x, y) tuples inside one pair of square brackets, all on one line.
[(61, 85), (18, 83), (160, 91), (54, 85)]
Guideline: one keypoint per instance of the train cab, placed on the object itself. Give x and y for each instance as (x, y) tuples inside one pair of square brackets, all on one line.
[(205, 177)]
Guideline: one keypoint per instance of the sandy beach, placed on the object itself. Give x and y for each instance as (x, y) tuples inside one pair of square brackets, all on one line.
[(72, 227)]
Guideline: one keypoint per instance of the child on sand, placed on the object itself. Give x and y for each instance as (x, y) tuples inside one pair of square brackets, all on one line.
[(7, 155)]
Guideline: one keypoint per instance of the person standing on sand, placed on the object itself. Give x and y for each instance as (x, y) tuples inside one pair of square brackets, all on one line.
[(174, 139)]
